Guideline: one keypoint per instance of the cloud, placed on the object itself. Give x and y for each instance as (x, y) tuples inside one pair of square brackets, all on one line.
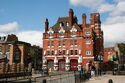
[(115, 19), (105, 8), (118, 0), (10, 27), (33, 37), (86, 3), (113, 33), (119, 9)]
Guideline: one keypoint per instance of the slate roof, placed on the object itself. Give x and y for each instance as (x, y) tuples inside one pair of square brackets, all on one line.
[(64, 20)]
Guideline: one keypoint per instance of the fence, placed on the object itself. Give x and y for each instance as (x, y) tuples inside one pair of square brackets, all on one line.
[(53, 77)]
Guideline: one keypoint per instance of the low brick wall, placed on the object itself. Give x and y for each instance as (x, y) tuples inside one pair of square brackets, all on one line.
[(61, 78)]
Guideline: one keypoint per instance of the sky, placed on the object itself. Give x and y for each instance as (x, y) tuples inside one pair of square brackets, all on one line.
[(26, 18)]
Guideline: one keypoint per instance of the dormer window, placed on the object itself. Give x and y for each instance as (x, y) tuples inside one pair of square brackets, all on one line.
[(73, 31), (2, 38), (61, 24), (61, 31), (50, 32), (61, 34), (50, 35)]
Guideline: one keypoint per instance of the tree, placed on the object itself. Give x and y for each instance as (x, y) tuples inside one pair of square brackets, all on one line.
[(32, 54)]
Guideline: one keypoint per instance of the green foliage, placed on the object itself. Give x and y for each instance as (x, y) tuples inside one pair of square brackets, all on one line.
[(113, 57), (32, 53), (122, 48)]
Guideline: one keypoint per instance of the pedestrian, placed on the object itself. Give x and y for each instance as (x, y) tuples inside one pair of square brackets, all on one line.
[(92, 73)]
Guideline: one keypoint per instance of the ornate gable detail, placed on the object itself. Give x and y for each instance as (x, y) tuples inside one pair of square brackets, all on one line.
[(61, 31), (50, 32), (73, 31)]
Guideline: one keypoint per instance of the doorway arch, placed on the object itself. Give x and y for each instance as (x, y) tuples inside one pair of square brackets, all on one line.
[(50, 64), (61, 65)]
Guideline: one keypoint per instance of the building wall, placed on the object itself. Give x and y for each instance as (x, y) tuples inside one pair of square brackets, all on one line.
[(108, 52)]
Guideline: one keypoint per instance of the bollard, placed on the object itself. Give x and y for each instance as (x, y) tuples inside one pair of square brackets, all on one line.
[(44, 80), (110, 81)]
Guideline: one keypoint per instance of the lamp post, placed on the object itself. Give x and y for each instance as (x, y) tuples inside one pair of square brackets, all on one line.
[(99, 59)]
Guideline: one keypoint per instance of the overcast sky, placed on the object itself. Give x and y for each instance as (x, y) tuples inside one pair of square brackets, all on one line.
[(25, 18)]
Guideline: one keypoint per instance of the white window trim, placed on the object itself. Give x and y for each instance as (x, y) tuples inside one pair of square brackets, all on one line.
[(67, 24), (52, 46), (44, 53), (79, 51), (48, 46)]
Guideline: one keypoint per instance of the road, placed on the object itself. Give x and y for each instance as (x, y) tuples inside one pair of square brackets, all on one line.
[(105, 78)]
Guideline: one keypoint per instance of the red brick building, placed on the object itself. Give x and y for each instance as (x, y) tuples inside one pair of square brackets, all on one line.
[(71, 46), (109, 53)]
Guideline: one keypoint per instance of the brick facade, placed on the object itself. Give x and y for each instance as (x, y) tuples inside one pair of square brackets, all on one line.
[(71, 46), (109, 53), (12, 49)]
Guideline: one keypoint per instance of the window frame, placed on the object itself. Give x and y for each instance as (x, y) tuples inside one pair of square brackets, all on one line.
[(88, 52), (88, 42), (88, 33)]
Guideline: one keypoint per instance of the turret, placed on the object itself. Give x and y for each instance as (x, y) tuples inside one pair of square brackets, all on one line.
[(46, 25)]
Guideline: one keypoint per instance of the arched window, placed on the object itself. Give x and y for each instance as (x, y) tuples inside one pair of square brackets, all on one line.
[(52, 52), (17, 56), (75, 42)]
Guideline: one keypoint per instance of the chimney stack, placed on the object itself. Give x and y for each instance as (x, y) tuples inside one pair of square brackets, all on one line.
[(71, 14), (83, 20), (95, 18), (46, 25), (92, 19)]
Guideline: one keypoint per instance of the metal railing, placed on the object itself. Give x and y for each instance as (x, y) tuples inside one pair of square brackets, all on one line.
[(8, 77)]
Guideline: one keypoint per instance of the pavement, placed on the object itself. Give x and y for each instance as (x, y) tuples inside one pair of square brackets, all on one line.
[(105, 79)]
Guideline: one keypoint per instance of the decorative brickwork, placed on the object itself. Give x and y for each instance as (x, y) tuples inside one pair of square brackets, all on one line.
[(71, 46)]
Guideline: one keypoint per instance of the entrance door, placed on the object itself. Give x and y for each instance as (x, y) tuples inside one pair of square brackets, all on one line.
[(50, 64), (61, 65), (74, 64)]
